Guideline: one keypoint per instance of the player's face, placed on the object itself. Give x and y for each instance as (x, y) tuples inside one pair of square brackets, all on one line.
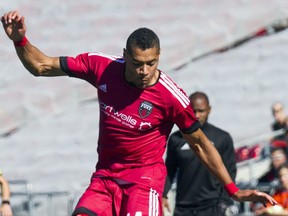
[(283, 177), (278, 113), (141, 66), (278, 158), (201, 109)]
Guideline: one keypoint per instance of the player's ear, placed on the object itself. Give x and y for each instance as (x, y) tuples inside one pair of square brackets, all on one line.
[(124, 52), (209, 109)]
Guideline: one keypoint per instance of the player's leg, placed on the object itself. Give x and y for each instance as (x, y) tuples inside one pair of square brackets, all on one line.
[(140, 200), (209, 210), (96, 200), (183, 211)]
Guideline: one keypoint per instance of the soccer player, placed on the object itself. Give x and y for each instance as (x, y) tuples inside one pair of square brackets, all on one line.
[(139, 104)]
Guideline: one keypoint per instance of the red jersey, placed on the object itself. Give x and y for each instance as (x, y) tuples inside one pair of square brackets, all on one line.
[(134, 123)]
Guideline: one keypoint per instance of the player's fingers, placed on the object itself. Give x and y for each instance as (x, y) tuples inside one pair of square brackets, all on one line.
[(14, 16), (266, 198), (167, 206), (21, 21), (4, 18), (168, 209), (8, 18), (271, 200), (262, 197)]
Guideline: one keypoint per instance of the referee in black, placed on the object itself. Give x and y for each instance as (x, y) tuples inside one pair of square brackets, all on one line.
[(198, 192)]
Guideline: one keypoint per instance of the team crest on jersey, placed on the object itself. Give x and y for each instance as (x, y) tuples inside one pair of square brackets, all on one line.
[(145, 109)]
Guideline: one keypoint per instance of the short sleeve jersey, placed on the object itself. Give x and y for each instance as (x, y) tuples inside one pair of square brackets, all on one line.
[(134, 123)]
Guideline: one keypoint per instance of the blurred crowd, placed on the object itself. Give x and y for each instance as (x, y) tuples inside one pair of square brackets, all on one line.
[(275, 180), (277, 174)]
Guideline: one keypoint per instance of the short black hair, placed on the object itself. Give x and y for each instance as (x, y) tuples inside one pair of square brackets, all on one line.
[(143, 38), (199, 94)]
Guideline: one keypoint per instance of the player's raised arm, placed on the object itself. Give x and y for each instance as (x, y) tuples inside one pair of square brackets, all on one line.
[(211, 158), (36, 62)]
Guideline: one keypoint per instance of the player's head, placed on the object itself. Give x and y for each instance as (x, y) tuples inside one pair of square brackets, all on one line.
[(142, 38), (283, 175), (278, 112), (142, 56), (200, 104), (278, 157)]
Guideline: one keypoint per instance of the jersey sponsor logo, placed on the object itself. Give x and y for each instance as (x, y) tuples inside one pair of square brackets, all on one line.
[(123, 118), (145, 109), (119, 116)]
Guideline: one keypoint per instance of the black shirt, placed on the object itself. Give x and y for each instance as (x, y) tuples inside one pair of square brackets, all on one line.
[(196, 186), (278, 126)]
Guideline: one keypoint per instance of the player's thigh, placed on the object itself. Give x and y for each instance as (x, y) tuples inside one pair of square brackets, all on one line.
[(139, 200), (96, 200)]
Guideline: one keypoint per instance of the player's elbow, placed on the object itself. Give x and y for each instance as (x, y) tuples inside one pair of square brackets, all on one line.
[(34, 71), (38, 69), (35, 74)]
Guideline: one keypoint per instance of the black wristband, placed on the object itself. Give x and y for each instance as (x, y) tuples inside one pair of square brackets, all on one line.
[(5, 202)]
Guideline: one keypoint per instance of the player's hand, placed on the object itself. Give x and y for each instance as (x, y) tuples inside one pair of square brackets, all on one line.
[(6, 210), (14, 25), (165, 204), (253, 196)]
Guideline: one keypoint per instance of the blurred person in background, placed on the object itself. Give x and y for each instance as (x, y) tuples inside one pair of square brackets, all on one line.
[(270, 179), (281, 196), (278, 157), (5, 208), (280, 120), (198, 192), (139, 105)]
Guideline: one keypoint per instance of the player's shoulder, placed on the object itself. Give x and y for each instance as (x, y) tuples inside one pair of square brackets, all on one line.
[(168, 83), (219, 130), (106, 57), (172, 93)]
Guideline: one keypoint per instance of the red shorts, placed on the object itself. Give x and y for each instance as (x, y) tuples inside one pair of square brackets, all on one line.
[(106, 197)]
